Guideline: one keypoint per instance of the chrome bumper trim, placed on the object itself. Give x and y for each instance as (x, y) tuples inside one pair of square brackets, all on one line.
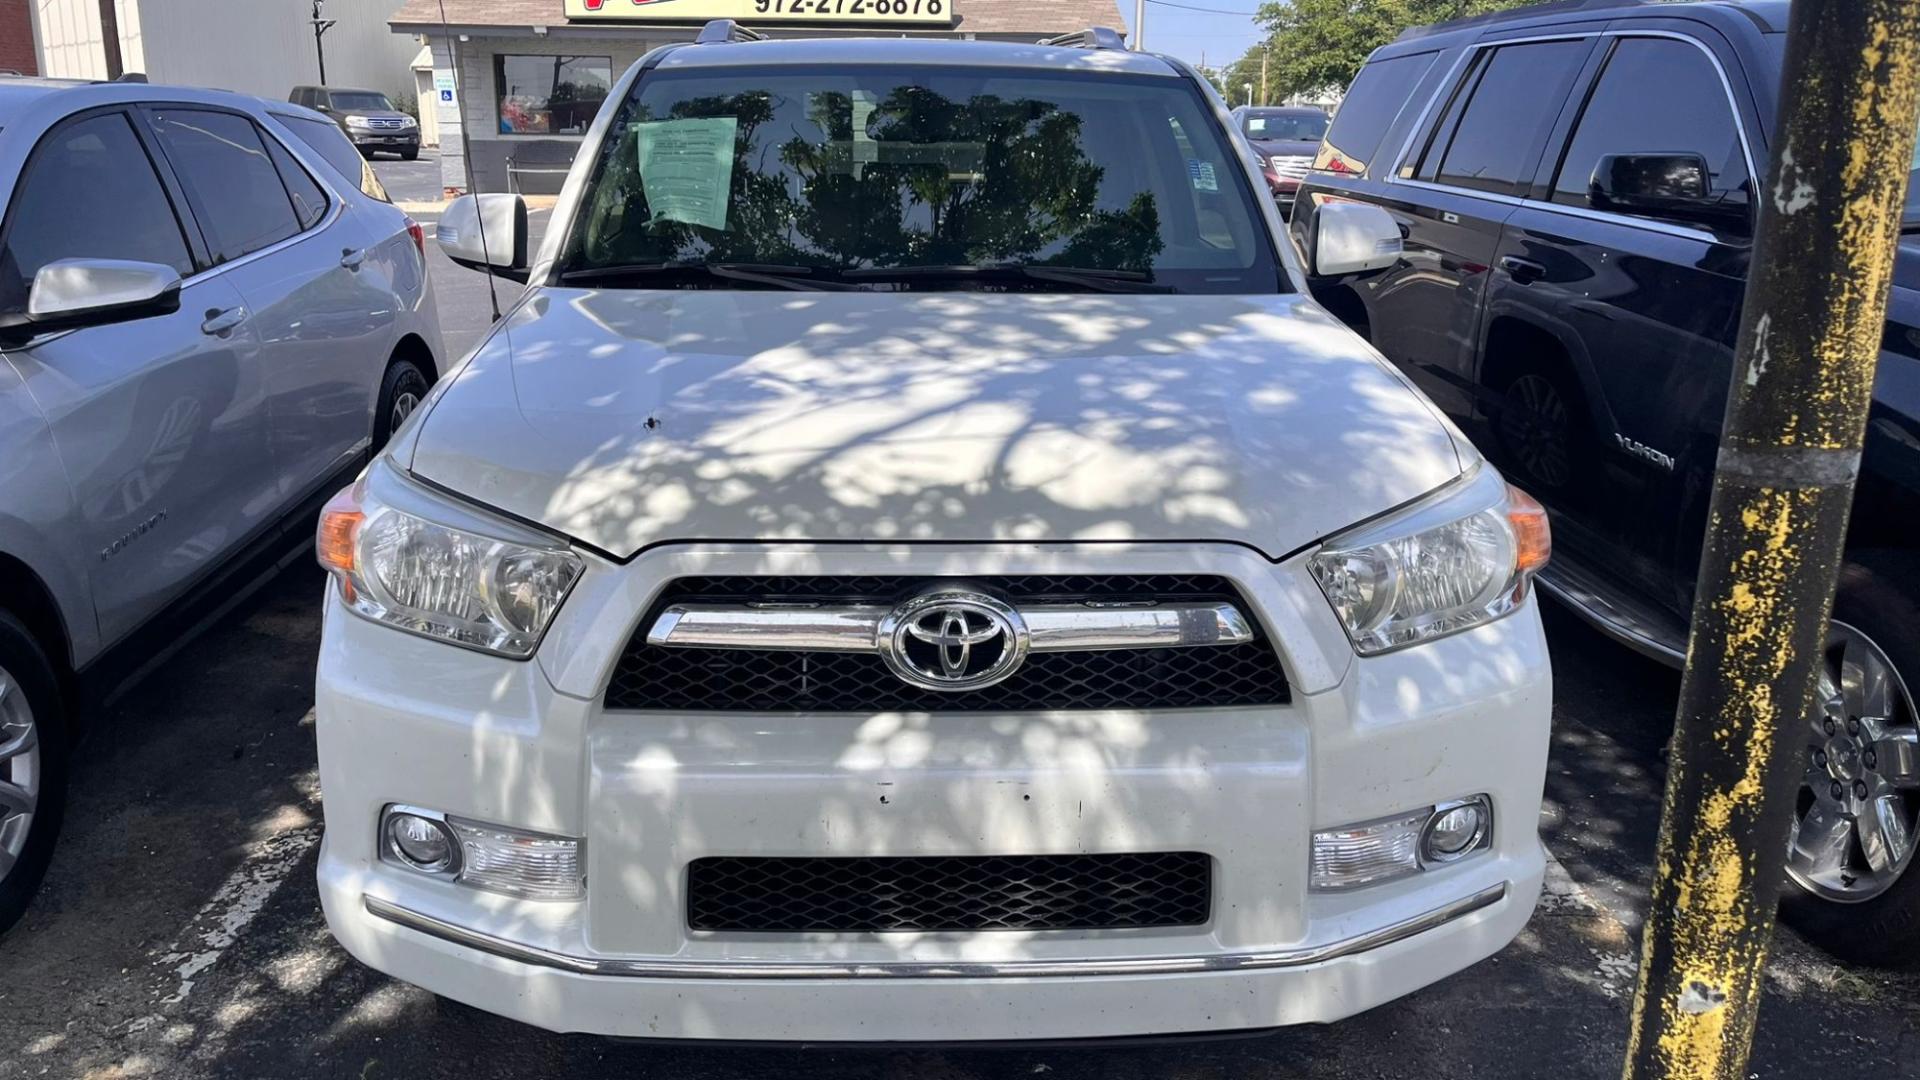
[(857, 628), (1009, 969)]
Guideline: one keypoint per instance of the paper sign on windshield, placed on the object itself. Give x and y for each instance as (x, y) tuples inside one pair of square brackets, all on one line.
[(686, 168)]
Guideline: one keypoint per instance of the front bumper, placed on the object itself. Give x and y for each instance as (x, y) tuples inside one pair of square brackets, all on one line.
[(386, 140), (402, 719)]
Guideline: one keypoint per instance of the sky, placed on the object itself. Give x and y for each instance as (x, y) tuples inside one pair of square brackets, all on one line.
[(1187, 33)]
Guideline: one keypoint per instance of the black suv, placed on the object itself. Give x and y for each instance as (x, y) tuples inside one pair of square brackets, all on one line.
[(367, 116), (1577, 316)]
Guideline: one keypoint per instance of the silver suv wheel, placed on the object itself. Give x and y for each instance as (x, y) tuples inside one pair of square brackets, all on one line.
[(20, 771), (1859, 808)]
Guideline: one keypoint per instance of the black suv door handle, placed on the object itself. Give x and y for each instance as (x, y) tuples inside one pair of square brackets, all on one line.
[(1523, 271)]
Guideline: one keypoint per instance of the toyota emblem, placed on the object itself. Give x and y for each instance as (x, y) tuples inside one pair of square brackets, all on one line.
[(953, 640)]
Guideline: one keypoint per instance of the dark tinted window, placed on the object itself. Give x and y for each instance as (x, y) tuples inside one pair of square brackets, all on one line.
[(1512, 105), (1656, 96), (309, 201), (89, 192), (360, 101), (231, 182), (1376, 97), (1288, 126), (325, 139)]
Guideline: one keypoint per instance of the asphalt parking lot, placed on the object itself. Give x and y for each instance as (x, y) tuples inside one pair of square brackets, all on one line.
[(179, 934)]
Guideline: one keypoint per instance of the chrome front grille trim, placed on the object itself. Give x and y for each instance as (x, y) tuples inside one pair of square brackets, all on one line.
[(1088, 626)]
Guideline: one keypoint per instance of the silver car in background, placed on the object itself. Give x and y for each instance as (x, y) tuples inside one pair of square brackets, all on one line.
[(208, 316)]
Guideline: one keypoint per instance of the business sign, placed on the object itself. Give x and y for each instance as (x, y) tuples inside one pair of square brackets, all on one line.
[(931, 13)]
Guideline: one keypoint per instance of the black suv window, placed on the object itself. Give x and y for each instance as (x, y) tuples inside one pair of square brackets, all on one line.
[(89, 192), (1372, 103), (230, 181), (1657, 95), (309, 201), (1510, 102)]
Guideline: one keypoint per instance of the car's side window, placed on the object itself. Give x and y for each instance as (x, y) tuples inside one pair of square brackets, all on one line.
[(324, 137), (1504, 118), (309, 201), (1657, 95), (89, 191), (1371, 106), (235, 191)]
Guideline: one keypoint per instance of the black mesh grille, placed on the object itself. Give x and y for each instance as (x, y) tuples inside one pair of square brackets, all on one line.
[(1018, 892), (704, 680)]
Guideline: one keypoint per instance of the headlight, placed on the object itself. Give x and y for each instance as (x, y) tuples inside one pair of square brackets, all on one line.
[(1455, 561), (442, 570), (408, 121), (357, 121)]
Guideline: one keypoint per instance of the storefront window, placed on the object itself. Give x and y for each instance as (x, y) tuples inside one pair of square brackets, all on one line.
[(550, 95)]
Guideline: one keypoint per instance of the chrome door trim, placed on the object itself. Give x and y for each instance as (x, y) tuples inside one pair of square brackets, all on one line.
[(636, 968), (857, 628)]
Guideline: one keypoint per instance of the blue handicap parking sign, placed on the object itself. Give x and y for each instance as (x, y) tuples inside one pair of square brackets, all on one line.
[(446, 95)]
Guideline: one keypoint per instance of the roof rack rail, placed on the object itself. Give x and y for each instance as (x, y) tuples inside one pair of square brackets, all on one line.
[(723, 30), (1519, 13), (1093, 37)]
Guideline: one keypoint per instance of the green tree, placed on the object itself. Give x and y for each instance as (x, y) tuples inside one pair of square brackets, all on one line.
[(1314, 46)]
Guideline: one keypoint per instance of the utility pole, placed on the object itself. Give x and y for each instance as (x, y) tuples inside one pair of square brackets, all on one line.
[(1249, 93), (320, 27), (1139, 25), (1264, 98), (110, 40), (1803, 378)]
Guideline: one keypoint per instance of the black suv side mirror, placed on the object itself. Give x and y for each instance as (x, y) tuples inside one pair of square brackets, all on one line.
[(1673, 186)]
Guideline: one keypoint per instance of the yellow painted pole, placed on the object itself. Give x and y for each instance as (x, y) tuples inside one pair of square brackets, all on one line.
[(1803, 378)]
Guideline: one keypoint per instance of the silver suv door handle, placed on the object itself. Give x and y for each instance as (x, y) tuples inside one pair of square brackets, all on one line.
[(221, 320), (352, 259)]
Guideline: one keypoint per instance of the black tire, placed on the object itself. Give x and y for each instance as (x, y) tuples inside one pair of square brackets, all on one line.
[(23, 659), (409, 155), (1543, 434), (1879, 595), (403, 377), (366, 153)]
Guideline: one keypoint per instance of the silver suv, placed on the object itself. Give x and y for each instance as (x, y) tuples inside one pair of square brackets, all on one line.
[(203, 323)]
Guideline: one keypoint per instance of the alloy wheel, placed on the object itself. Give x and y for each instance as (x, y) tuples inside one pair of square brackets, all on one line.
[(20, 771), (1534, 426), (404, 403), (1859, 809)]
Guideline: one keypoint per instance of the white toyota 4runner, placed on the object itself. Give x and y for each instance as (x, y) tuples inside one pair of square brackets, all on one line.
[(915, 565)]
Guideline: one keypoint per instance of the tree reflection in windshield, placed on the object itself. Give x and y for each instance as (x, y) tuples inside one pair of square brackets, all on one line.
[(841, 173)]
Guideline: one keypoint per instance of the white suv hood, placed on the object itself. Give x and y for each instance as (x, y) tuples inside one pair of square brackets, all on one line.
[(631, 418)]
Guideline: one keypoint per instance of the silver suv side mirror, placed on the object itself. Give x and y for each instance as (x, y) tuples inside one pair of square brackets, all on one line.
[(71, 293), (1353, 238), (501, 219)]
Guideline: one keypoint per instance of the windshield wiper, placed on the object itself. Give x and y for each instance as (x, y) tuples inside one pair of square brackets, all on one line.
[(1129, 281), (782, 277)]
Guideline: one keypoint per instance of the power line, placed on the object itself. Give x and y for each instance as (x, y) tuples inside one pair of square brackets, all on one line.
[(1208, 10)]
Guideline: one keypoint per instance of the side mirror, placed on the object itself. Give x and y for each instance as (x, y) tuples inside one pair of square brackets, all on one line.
[(1674, 186), (322, 108), (1354, 238), (73, 293), (501, 219)]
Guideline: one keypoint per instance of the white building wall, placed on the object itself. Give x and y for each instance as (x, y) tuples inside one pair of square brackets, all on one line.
[(262, 47), (69, 37)]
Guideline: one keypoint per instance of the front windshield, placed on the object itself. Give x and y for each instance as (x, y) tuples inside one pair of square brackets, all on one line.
[(858, 170), (360, 100), (1285, 127)]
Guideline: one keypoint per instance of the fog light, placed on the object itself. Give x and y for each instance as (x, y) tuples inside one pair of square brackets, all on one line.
[(1456, 830), (420, 842), (534, 866), (1372, 852)]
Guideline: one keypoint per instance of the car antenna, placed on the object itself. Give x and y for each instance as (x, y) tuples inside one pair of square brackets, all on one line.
[(466, 156)]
